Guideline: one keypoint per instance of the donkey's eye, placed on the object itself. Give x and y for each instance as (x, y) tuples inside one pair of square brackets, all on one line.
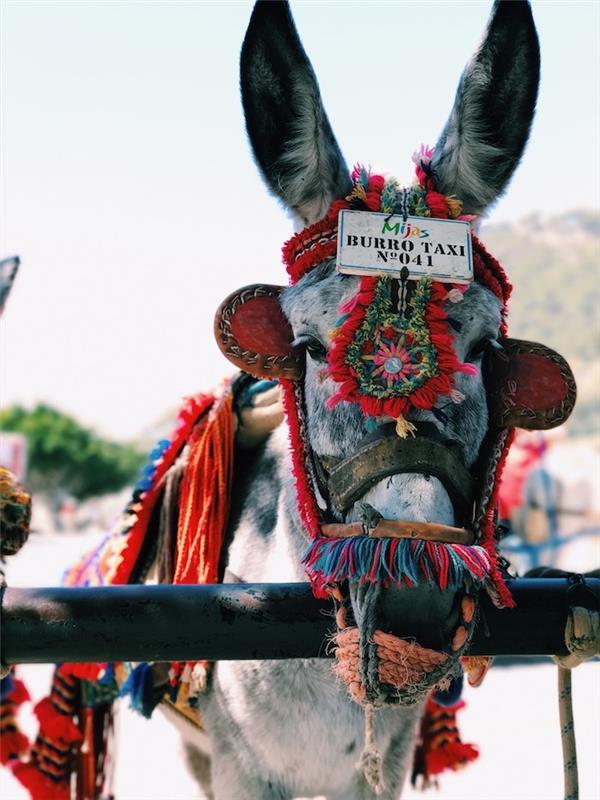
[(478, 349), (312, 345)]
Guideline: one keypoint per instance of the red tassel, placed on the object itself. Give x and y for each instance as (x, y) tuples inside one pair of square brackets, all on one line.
[(13, 743), (452, 755), (41, 786), (440, 747), (47, 775), (54, 724), (19, 693), (84, 672)]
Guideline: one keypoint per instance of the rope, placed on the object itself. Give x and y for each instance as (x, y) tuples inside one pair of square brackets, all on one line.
[(567, 734), (371, 762), (582, 638)]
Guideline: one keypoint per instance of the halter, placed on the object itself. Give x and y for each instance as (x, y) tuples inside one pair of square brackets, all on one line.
[(381, 453)]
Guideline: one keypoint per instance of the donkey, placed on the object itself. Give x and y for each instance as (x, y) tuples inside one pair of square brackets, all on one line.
[(279, 730)]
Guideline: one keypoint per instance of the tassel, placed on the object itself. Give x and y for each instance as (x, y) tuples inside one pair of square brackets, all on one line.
[(476, 668), (371, 762), (84, 672), (204, 499), (140, 688), (47, 775), (440, 747), (39, 785), (404, 427), (13, 743)]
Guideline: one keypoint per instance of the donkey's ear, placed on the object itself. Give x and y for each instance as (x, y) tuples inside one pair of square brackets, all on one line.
[(287, 125), (489, 125)]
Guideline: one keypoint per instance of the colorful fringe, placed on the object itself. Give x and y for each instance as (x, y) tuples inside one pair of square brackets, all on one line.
[(205, 496), (439, 747), (206, 424), (389, 561), (113, 562), (47, 775), (13, 743)]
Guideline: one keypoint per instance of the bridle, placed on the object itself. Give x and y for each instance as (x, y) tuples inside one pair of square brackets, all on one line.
[(527, 384), (381, 454)]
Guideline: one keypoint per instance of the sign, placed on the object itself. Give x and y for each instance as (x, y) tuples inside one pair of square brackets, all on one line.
[(372, 243)]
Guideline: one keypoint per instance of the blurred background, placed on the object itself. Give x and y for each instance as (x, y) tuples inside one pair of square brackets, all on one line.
[(130, 196)]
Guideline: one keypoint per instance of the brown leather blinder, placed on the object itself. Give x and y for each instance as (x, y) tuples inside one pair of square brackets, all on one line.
[(528, 385), (254, 334)]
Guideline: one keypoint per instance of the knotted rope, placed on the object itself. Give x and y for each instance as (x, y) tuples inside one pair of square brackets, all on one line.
[(582, 638)]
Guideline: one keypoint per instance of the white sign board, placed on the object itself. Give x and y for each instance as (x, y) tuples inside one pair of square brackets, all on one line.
[(371, 243)]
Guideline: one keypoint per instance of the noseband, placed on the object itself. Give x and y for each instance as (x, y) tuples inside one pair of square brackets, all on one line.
[(382, 454)]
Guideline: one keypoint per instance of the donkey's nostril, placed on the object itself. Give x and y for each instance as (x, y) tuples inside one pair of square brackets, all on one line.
[(427, 476)]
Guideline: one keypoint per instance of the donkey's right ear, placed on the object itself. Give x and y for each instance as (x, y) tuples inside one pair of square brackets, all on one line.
[(288, 128)]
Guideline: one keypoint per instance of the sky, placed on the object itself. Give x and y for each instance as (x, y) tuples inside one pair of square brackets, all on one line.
[(130, 193)]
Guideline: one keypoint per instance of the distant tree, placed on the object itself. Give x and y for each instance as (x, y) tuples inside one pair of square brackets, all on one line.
[(64, 457)]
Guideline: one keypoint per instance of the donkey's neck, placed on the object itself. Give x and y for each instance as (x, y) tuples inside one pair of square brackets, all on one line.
[(267, 538)]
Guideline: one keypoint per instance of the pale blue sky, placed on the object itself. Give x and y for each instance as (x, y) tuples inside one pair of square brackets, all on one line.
[(130, 194)]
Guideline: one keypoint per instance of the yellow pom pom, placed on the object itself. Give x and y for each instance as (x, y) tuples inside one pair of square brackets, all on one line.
[(454, 206)]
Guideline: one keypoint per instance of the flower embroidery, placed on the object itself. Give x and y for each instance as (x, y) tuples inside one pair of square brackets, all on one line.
[(393, 363)]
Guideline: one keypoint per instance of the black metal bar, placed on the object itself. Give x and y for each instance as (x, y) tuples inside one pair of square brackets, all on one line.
[(238, 621)]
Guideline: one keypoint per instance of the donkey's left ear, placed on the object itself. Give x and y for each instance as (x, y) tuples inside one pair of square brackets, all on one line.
[(288, 128), (489, 125)]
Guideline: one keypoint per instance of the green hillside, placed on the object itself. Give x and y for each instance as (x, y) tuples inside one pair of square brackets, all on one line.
[(554, 266)]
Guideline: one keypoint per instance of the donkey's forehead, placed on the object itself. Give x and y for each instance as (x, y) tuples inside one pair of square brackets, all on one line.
[(314, 301)]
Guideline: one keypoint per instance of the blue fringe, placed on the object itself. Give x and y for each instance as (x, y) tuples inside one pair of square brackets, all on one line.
[(139, 687)]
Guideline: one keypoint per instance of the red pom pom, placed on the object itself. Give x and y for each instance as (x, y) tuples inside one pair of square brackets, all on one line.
[(436, 203)]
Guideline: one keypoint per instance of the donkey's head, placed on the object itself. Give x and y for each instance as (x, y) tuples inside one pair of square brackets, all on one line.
[(390, 419), (302, 164)]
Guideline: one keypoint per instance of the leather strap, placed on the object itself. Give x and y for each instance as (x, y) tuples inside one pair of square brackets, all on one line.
[(399, 529), (378, 459)]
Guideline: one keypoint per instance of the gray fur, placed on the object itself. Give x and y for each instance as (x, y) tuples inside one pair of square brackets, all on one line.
[(288, 128), (489, 125), (280, 730)]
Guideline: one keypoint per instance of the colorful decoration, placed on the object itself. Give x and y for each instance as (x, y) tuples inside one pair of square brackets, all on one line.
[(389, 359), (13, 743), (387, 561), (390, 354), (15, 514), (85, 691), (393, 351)]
